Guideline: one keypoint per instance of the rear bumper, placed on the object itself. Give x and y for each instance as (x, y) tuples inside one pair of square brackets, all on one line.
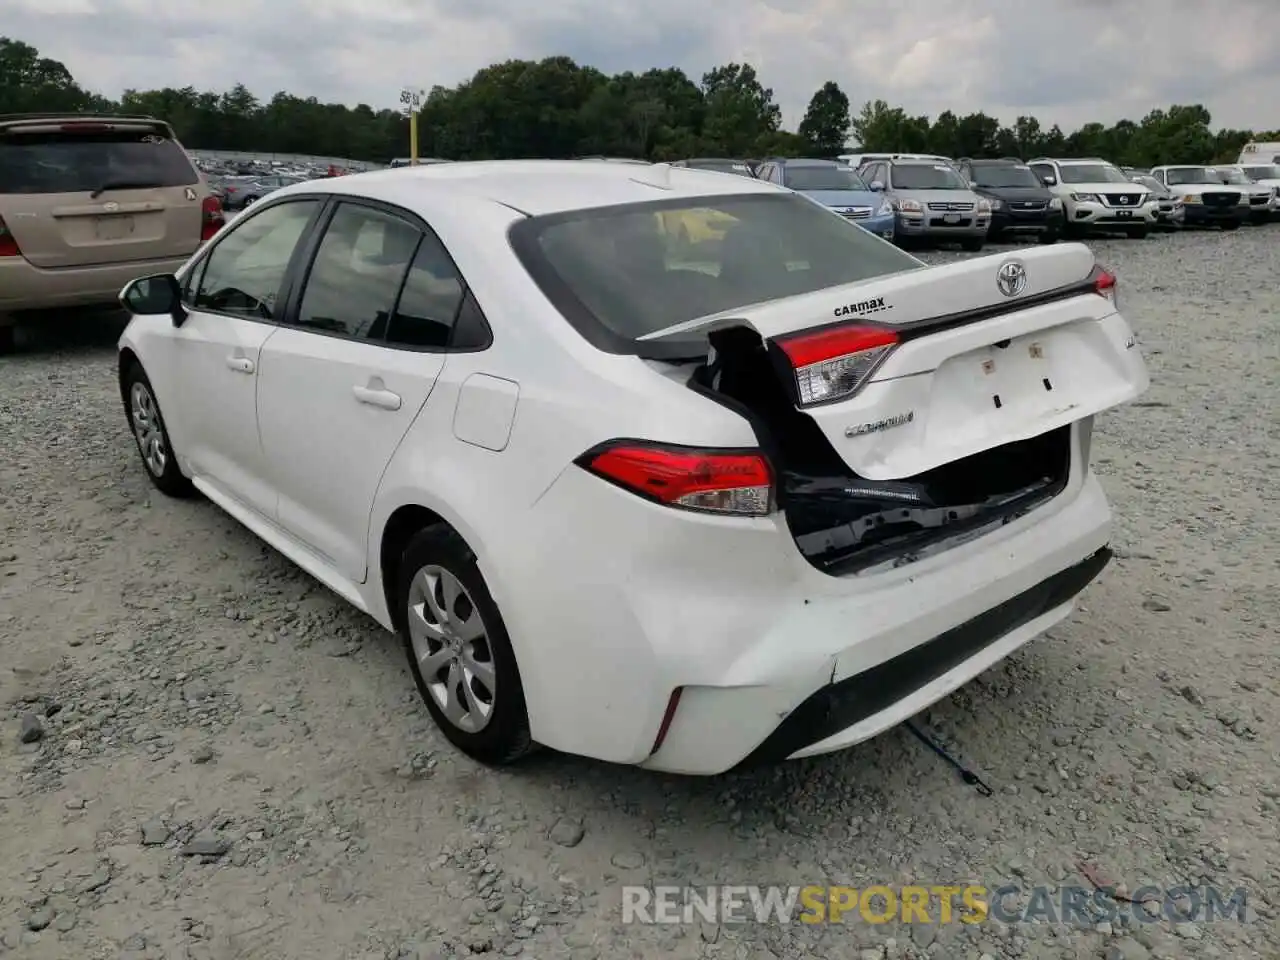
[(24, 286), (914, 643)]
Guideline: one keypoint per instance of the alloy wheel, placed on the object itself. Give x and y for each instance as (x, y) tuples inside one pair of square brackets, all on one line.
[(148, 429), (451, 645)]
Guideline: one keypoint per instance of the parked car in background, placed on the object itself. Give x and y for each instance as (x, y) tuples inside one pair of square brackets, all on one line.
[(90, 202), (1170, 212), (739, 168), (1255, 153), (419, 389), (1020, 204), (1269, 176), (931, 202), (1261, 196), (1096, 195), (837, 187), (238, 194), (1207, 201), (857, 160)]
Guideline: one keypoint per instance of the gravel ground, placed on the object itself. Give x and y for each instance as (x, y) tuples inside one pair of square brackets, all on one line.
[(208, 756)]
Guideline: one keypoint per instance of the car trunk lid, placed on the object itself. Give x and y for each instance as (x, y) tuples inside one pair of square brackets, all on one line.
[(80, 193), (971, 356)]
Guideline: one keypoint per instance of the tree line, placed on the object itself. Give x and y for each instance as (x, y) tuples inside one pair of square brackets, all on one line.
[(558, 108)]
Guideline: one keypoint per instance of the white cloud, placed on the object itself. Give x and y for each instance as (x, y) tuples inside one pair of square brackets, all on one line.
[(1068, 62)]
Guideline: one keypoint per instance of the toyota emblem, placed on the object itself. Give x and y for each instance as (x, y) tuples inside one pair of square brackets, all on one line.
[(111, 206), (1011, 278)]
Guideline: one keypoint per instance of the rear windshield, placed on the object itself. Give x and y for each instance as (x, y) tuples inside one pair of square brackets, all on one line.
[(82, 162), (1004, 175), (721, 166), (619, 273), (926, 176)]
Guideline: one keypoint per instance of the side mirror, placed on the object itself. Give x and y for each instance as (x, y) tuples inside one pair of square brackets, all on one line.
[(1049, 180), (155, 296), (876, 186)]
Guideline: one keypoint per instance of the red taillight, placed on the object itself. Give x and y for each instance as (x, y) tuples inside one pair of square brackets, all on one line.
[(8, 243), (665, 727), (833, 362), (738, 482), (211, 217), (1105, 283)]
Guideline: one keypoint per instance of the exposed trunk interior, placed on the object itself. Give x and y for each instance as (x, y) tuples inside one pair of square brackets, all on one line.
[(843, 523)]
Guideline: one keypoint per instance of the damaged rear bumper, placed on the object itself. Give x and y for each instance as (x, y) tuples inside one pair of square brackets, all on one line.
[(908, 644)]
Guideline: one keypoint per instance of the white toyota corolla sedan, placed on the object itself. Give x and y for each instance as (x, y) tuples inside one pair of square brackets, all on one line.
[(652, 465)]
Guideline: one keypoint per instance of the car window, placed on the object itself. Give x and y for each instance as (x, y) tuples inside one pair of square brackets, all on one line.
[(243, 273), (357, 272), (83, 157), (428, 306)]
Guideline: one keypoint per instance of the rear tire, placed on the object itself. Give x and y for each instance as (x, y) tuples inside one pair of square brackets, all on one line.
[(972, 244), (151, 435), (459, 652)]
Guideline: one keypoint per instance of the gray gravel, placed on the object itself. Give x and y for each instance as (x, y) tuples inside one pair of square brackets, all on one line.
[(208, 756)]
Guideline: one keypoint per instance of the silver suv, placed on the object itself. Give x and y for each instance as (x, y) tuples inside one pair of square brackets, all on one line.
[(931, 201)]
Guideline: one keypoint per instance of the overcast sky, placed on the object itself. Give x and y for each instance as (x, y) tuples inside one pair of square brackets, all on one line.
[(1064, 61)]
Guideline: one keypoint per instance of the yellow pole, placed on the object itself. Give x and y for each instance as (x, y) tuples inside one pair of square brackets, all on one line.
[(413, 138)]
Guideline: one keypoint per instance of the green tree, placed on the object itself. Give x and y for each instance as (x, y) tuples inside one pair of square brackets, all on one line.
[(740, 112), (826, 125)]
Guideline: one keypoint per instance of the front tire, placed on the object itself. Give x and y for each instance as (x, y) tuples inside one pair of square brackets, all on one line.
[(1231, 225), (1137, 233), (151, 435), (459, 652)]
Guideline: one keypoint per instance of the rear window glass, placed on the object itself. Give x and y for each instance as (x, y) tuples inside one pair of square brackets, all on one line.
[(634, 270), (82, 162)]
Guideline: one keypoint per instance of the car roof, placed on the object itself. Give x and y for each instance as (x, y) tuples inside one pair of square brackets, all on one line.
[(535, 187), (810, 162)]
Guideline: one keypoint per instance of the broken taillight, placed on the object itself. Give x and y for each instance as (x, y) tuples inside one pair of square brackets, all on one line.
[(833, 362), (738, 482), (8, 242), (211, 217), (1104, 281)]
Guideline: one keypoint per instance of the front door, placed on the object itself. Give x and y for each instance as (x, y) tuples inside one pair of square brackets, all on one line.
[(216, 353)]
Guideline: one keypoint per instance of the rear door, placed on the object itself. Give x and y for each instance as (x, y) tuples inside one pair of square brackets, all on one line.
[(342, 382), (79, 193)]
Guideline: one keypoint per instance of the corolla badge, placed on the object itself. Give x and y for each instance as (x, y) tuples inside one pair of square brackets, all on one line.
[(1011, 278)]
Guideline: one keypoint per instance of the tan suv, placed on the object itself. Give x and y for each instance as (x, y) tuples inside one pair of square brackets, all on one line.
[(89, 203)]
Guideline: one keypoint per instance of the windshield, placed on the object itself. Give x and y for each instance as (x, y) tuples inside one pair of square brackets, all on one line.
[(1004, 175), (1263, 173), (1091, 173), (619, 273), (926, 176), (1231, 175), (1177, 175), (84, 161), (822, 178)]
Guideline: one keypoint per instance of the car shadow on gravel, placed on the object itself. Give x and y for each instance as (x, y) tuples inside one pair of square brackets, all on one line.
[(68, 332)]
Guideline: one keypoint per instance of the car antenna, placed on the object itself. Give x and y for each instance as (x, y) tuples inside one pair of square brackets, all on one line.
[(967, 775), (658, 175)]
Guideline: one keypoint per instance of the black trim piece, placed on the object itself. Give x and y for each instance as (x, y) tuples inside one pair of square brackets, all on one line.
[(584, 460), (841, 705)]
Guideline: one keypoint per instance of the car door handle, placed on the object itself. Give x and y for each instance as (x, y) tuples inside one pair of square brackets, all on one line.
[(240, 364), (374, 397)]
